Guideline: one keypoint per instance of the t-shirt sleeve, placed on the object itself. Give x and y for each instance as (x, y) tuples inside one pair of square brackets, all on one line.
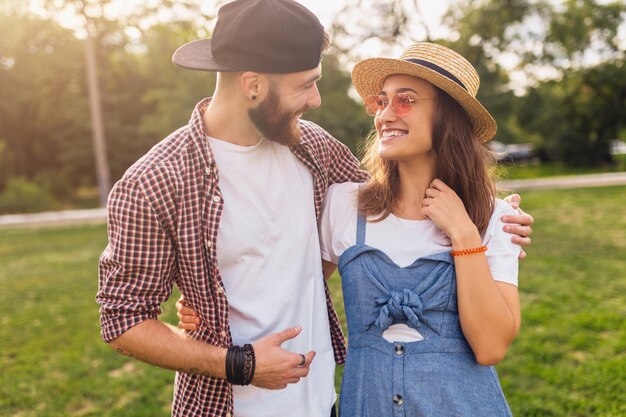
[(502, 254), (337, 221)]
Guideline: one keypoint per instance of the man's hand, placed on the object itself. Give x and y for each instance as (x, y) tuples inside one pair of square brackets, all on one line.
[(519, 224), (276, 367)]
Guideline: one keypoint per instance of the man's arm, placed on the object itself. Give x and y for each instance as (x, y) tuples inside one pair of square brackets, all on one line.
[(165, 346), (136, 275)]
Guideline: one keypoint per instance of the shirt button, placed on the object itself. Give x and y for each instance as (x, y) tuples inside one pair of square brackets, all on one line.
[(208, 243), (220, 290), (217, 198), (398, 400), (228, 415), (223, 333), (399, 349), (208, 171)]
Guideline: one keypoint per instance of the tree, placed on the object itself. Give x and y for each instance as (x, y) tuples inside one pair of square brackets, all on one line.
[(579, 115), (41, 77), (341, 115)]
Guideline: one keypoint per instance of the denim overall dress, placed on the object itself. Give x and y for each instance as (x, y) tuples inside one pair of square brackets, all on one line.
[(434, 377)]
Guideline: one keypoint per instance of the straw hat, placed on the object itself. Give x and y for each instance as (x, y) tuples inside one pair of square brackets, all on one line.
[(440, 66)]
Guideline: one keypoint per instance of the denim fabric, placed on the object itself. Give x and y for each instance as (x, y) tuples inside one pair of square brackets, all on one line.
[(434, 377)]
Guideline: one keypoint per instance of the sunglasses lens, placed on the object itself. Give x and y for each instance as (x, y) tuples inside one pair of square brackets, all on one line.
[(401, 103)]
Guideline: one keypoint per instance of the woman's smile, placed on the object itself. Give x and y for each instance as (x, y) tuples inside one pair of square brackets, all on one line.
[(389, 134)]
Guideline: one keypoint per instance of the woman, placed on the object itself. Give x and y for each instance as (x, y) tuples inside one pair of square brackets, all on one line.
[(429, 276)]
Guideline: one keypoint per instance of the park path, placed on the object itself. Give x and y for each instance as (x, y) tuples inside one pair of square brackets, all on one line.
[(99, 215)]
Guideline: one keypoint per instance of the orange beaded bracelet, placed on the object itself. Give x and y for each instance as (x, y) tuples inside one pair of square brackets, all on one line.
[(468, 251)]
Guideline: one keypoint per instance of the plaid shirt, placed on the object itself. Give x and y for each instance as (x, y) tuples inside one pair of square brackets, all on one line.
[(163, 221)]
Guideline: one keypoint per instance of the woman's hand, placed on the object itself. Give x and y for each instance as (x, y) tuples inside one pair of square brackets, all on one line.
[(188, 317), (444, 207)]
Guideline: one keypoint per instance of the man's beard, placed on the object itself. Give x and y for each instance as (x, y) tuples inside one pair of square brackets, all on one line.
[(275, 123)]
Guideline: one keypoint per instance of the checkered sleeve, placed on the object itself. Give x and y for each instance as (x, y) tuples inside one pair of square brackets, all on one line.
[(344, 166), (137, 267)]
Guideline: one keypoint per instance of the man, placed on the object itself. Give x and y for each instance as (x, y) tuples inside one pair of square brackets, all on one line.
[(226, 209)]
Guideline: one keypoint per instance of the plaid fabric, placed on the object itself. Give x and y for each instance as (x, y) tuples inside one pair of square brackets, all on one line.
[(163, 221)]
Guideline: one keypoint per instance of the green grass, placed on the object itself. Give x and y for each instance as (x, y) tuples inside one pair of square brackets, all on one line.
[(555, 169), (568, 360)]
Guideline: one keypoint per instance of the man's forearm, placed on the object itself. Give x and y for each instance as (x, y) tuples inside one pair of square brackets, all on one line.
[(165, 346)]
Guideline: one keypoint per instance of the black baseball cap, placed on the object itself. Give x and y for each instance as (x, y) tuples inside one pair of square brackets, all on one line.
[(269, 36)]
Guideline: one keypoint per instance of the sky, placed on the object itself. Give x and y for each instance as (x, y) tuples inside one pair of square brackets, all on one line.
[(327, 9)]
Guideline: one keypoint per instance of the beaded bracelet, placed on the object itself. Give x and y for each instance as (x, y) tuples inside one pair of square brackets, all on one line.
[(468, 251)]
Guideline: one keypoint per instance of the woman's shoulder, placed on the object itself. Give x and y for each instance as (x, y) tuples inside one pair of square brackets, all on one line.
[(343, 192), (341, 201), (500, 208)]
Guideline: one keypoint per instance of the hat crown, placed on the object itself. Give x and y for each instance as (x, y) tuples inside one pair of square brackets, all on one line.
[(446, 59)]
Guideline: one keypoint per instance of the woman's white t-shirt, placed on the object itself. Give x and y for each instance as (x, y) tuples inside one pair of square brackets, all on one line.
[(404, 241)]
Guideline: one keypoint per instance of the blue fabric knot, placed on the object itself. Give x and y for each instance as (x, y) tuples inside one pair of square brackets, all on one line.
[(401, 306)]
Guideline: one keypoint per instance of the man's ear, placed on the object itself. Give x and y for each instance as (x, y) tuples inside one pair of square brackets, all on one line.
[(254, 85)]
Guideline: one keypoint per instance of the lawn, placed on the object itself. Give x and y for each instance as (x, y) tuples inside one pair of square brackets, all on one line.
[(518, 171), (569, 359)]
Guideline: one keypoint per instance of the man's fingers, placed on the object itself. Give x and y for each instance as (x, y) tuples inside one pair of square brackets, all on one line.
[(521, 231), (524, 219), (514, 200), (522, 255), (282, 336), (522, 241), (308, 358)]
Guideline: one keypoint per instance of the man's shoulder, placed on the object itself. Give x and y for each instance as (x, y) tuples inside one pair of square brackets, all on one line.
[(314, 134), (168, 157)]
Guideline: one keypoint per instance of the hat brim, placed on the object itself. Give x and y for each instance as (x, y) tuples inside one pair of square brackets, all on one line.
[(369, 75), (197, 55)]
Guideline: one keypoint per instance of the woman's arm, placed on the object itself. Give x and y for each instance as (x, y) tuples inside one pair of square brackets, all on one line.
[(329, 268), (489, 311)]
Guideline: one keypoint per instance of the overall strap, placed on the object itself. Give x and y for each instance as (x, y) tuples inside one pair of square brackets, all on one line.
[(360, 223), (360, 229)]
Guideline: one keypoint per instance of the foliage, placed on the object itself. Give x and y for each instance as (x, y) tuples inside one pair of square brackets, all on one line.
[(579, 115), (575, 115), (45, 123), (568, 360), (41, 72), (542, 41), (23, 196), (339, 114)]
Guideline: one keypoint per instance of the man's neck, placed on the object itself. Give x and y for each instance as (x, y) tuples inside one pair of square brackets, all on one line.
[(228, 121)]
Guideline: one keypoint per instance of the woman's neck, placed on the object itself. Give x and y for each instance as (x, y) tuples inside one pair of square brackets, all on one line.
[(415, 178)]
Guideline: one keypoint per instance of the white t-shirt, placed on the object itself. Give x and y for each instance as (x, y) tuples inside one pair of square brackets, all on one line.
[(404, 241), (269, 258)]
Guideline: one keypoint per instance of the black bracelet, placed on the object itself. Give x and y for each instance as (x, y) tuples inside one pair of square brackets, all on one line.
[(240, 364), (230, 375)]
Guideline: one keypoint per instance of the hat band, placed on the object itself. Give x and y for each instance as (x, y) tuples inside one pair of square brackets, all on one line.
[(437, 69)]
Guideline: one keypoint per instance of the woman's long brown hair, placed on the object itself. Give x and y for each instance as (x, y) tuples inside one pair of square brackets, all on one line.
[(463, 163)]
